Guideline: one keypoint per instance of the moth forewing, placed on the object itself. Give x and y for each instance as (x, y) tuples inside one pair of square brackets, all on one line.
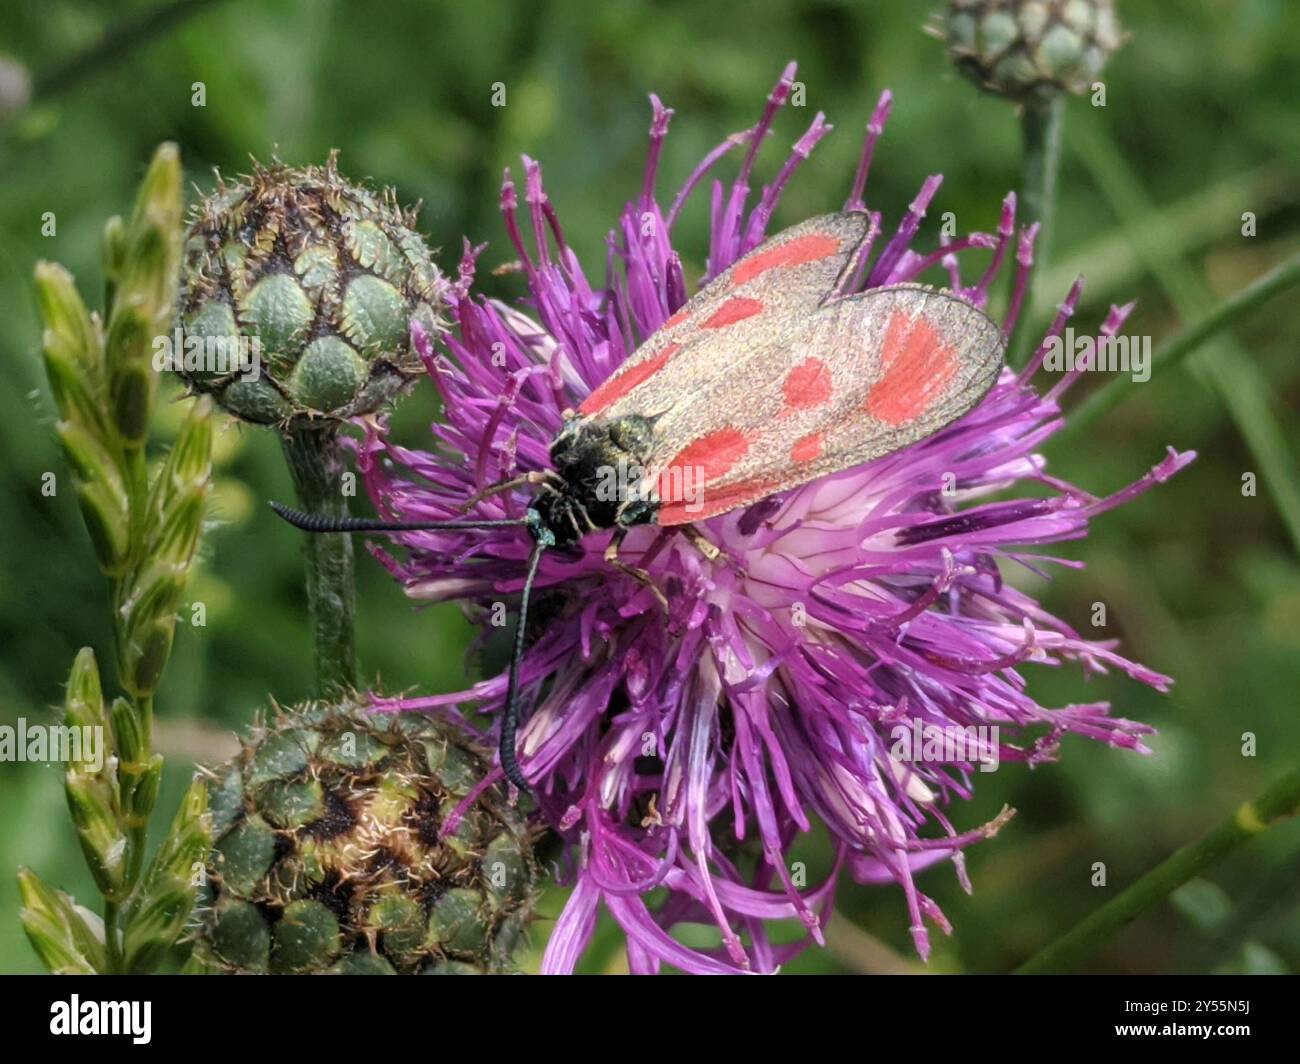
[(757, 299), (857, 379)]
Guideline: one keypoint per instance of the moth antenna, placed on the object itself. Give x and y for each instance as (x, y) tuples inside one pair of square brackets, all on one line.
[(510, 719), (323, 523)]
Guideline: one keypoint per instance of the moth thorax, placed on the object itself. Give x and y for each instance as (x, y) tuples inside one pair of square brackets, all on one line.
[(602, 465)]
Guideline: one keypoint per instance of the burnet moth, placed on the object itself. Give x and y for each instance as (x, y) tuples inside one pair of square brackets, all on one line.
[(770, 377)]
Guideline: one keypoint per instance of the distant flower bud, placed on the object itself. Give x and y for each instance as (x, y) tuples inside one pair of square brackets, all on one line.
[(1025, 49)]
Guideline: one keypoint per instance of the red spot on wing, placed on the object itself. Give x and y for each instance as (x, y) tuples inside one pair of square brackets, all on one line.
[(807, 385), (807, 448), (679, 316), (713, 503), (624, 380), (686, 478), (735, 309), (707, 458), (808, 248), (917, 366)]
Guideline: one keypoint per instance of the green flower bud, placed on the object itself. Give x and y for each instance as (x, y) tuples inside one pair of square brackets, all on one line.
[(131, 381), (74, 390), (65, 314), (150, 250), (114, 249), (144, 257), (68, 939), (91, 786), (146, 655), (142, 793), (179, 493), (182, 523), (128, 740), (157, 592), (330, 851), (91, 801), (158, 910), (190, 460), (317, 281), (84, 699), (90, 460), (132, 396), (1032, 49), (105, 509), (72, 348)]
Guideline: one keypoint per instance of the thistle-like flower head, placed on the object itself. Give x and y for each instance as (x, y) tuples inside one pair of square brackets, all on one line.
[(323, 276), (842, 615), (333, 852)]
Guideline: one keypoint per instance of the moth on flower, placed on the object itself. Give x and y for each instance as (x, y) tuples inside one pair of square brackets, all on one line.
[(812, 614), (772, 376)]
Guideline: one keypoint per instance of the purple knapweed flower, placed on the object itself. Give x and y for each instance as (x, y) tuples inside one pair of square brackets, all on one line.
[(842, 615)]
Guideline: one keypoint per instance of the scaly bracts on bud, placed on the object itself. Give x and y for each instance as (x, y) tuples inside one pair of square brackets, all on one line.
[(1031, 49), (297, 296), (363, 845)]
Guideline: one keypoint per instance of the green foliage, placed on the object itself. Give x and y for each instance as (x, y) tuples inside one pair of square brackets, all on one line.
[(145, 529)]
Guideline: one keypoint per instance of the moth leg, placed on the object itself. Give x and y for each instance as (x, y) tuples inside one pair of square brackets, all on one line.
[(586, 517), (711, 551), (639, 575), (573, 519), (533, 477)]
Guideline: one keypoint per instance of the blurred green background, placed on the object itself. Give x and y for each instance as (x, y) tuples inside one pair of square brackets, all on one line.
[(1202, 123)]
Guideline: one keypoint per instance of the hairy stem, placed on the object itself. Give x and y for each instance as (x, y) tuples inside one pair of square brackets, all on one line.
[(316, 462), (1250, 819), (1040, 136)]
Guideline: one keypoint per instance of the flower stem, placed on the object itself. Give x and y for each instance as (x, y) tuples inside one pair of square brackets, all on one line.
[(1250, 819), (1040, 133), (1187, 340), (1040, 136), (316, 462)]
